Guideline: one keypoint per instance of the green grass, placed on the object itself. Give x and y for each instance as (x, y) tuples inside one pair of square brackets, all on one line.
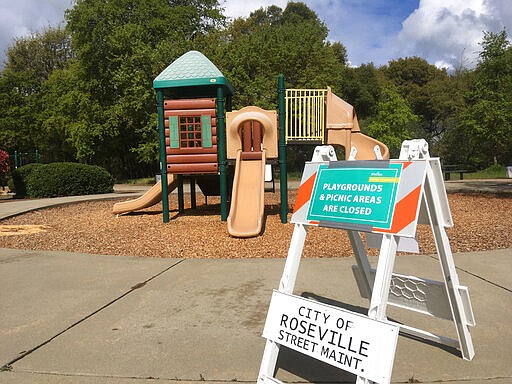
[(492, 172), (293, 175), (141, 181)]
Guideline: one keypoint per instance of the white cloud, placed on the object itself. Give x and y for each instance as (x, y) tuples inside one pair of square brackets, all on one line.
[(237, 8), (365, 28), (20, 18), (448, 32)]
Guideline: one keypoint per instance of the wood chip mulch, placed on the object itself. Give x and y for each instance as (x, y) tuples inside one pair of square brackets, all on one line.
[(482, 222)]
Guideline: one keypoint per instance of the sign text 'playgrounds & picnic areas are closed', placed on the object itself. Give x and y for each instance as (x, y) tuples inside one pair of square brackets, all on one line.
[(360, 196)]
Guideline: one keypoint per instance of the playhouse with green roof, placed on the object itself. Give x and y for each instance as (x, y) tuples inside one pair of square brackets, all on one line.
[(193, 101)]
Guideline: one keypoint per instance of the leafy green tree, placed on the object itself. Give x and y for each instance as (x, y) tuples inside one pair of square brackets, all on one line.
[(410, 72), (360, 87), (487, 121), (16, 109), (30, 62), (121, 47), (66, 100), (446, 100), (428, 90), (253, 51), (394, 121)]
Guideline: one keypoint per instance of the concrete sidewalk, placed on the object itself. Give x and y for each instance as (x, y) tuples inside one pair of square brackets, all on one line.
[(79, 318), (500, 187), (13, 207)]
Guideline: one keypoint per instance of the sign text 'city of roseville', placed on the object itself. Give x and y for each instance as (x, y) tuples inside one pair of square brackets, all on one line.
[(341, 338)]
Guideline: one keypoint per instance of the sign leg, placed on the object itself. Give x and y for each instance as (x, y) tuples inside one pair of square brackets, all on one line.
[(293, 259), (450, 276), (362, 261), (380, 292), (383, 273), (286, 285)]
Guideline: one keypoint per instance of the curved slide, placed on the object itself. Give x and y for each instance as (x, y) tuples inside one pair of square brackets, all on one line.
[(151, 197), (343, 129), (247, 200)]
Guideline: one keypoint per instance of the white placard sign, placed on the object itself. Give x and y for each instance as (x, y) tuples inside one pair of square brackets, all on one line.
[(344, 339)]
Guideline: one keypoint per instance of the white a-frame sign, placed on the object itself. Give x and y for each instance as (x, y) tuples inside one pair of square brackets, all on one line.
[(386, 200)]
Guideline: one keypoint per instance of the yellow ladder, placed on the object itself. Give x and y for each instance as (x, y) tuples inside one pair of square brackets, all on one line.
[(305, 115)]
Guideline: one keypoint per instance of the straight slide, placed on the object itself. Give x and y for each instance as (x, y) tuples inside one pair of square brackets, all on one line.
[(248, 196), (151, 197)]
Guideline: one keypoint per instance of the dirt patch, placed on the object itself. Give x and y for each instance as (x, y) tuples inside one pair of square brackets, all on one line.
[(481, 223), (27, 229)]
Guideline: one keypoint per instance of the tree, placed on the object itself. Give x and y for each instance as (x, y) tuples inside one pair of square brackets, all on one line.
[(17, 108), (394, 121), (487, 121), (429, 92), (30, 62), (253, 51), (361, 88), (410, 72), (121, 47), (65, 99), (446, 100)]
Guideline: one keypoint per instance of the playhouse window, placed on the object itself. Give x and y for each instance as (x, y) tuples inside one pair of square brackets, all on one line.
[(190, 132)]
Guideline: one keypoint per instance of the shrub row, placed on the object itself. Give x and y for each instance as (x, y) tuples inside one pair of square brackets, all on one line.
[(60, 179)]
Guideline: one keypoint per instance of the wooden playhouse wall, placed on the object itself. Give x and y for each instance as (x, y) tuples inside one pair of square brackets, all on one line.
[(185, 152)]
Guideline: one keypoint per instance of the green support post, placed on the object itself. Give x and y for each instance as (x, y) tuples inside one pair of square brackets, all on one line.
[(181, 195), (163, 154), (193, 201), (221, 136), (283, 179)]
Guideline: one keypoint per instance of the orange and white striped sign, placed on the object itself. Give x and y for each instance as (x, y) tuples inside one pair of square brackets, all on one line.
[(368, 196)]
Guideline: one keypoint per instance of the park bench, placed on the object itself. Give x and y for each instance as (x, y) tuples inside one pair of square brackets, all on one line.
[(460, 169)]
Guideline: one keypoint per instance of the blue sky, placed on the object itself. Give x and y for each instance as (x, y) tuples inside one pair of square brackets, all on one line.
[(444, 32)]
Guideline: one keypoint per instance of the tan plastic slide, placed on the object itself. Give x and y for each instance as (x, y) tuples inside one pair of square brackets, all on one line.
[(151, 197), (247, 200), (343, 128)]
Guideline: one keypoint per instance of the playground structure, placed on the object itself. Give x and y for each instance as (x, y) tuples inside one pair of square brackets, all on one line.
[(318, 116), (201, 138)]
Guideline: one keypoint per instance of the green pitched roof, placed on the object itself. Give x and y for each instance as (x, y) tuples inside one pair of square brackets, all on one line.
[(193, 69)]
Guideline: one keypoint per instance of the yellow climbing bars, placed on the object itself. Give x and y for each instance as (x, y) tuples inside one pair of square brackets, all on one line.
[(305, 115)]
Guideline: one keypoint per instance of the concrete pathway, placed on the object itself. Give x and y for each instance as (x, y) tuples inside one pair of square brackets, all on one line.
[(502, 187), (79, 318), (12, 207)]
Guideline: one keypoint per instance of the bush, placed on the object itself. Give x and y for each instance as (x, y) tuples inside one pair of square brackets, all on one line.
[(5, 163), (67, 179), (18, 181)]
